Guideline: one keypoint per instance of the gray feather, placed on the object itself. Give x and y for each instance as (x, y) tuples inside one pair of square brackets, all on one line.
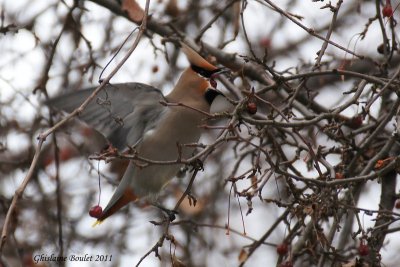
[(120, 112)]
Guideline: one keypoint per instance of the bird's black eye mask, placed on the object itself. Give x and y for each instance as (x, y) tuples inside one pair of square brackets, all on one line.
[(203, 72), (211, 94)]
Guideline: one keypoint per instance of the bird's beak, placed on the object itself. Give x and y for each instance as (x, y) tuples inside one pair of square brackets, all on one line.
[(219, 72), (223, 70)]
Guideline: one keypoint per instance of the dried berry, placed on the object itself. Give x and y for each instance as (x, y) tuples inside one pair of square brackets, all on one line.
[(251, 107), (354, 122), (282, 249), (265, 42), (95, 211), (154, 69), (387, 10), (363, 249), (339, 175)]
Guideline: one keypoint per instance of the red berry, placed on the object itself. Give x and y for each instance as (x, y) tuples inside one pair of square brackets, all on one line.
[(339, 175), (397, 205), (213, 83), (379, 164), (282, 249), (387, 10), (265, 42), (357, 121), (251, 107), (363, 249), (154, 69), (354, 122), (66, 153), (95, 211)]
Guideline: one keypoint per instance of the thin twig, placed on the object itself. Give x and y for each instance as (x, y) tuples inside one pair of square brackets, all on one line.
[(42, 137)]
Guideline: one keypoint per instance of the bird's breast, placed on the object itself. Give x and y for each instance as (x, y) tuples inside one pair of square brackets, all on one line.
[(178, 125)]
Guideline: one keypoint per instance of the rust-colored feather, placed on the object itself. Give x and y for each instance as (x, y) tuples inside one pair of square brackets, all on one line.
[(126, 198), (195, 59)]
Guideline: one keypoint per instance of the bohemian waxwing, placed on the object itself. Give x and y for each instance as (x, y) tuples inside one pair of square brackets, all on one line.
[(131, 115)]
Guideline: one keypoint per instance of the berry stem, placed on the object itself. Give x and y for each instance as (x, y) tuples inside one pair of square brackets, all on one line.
[(98, 172)]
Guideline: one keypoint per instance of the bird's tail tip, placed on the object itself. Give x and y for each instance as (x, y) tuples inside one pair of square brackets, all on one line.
[(97, 222)]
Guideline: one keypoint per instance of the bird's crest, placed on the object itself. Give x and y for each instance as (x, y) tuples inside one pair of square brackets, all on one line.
[(197, 60)]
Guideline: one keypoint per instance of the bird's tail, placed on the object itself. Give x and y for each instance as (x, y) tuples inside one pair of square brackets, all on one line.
[(127, 197), (122, 196)]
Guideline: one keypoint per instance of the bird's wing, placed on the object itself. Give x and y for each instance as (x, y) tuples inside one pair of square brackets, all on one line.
[(120, 112)]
